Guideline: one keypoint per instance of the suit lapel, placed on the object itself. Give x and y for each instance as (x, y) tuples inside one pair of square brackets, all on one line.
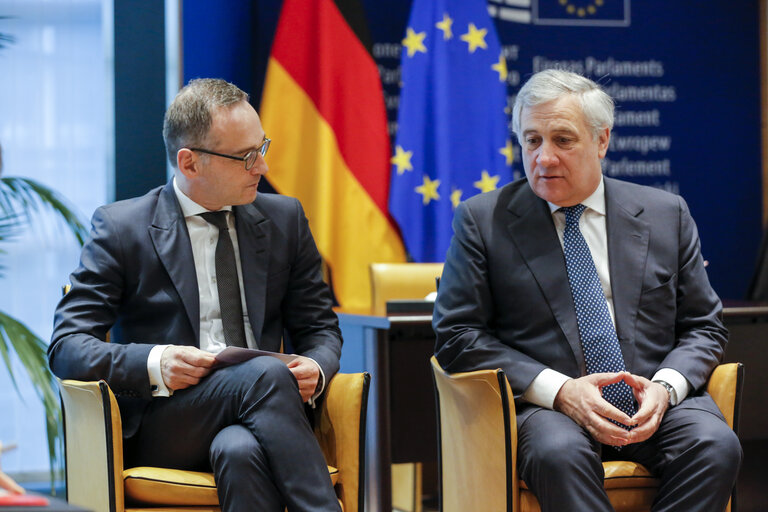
[(171, 240), (534, 235), (253, 238), (628, 236)]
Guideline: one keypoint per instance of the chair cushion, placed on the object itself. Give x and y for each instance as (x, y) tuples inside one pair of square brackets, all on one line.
[(630, 487), (622, 474), (162, 486)]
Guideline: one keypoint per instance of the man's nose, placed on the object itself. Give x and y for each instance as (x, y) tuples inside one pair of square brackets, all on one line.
[(547, 157), (260, 167)]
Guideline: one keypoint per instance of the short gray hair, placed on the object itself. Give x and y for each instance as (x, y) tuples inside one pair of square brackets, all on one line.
[(552, 84), (190, 115)]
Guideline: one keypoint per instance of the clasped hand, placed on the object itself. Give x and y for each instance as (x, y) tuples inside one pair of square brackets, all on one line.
[(183, 366), (581, 399)]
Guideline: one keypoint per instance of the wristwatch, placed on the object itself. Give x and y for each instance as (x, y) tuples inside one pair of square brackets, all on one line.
[(670, 390)]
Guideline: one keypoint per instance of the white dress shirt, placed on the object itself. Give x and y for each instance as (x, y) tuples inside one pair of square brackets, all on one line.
[(546, 385), (204, 238)]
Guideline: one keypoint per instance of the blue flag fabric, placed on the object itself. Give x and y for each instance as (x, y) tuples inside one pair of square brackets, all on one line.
[(452, 138)]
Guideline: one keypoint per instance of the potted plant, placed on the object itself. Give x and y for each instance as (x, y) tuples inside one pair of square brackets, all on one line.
[(20, 200)]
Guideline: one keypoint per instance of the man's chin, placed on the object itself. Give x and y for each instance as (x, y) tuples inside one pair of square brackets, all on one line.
[(250, 195), (550, 190)]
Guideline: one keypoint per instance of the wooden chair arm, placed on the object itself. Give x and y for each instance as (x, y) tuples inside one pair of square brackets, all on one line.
[(340, 430), (94, 468), (477, 438), (724, 386)]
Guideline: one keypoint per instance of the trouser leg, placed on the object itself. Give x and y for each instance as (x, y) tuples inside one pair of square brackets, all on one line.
[(235, 453), (560, 463), (696, 456)]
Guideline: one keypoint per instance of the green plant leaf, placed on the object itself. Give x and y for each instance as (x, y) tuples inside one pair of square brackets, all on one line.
[(32, 353), (20, 198), (6, 39)]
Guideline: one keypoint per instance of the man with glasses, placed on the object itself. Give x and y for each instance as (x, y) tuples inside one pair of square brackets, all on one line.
[(191, 268)]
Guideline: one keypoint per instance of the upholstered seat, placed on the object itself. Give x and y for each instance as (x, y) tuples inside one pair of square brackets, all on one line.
[(478, 444), (97, 480)]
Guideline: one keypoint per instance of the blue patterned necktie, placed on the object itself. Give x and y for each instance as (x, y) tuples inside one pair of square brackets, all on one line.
[(602, 352)]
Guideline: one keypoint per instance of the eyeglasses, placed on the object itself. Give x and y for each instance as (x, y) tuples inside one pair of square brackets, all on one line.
[(249, 159)]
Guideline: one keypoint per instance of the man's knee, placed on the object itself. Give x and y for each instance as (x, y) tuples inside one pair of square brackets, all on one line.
[(270, 369), (554, 443), (718, 446), (236, 447), (262, 373)]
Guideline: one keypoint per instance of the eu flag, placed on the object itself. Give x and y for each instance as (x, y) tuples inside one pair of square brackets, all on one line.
[(605, 13), (452, 138)]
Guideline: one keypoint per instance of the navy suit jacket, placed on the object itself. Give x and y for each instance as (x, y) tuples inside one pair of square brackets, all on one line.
[(137, 270), (505, 302)]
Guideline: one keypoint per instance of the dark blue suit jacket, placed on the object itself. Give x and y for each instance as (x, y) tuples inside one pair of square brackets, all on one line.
[(505, 302), (137, 269)]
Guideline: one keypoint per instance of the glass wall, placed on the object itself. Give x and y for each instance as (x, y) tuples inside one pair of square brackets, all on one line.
[(55, 127)]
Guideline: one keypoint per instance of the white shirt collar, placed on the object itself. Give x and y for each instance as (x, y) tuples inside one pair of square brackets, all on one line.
[(594, 202), (188, 207)]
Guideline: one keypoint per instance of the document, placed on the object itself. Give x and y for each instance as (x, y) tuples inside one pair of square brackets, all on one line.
[(235, 355)]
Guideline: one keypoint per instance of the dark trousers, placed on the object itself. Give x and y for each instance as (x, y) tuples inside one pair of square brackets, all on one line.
[(247, 423), (694, 453)]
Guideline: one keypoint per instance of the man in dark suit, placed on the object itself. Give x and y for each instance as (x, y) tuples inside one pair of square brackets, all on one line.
[(179, 284), (591, 295)]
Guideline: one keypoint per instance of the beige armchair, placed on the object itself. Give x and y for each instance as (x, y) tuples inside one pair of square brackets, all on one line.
[(97, 480), (478, 444), (401, 281), (390, 281)]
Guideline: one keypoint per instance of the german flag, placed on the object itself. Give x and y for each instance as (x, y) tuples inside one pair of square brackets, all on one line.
[(324, 109)]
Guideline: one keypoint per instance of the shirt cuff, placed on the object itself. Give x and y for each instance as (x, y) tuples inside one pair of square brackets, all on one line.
[(675, 379), (156, 383), (320, 384), (545, 387)]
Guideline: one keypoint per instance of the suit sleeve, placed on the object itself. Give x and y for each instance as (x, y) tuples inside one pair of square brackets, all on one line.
[(85, 315), (463, 317), (307, 308), (699, 331)]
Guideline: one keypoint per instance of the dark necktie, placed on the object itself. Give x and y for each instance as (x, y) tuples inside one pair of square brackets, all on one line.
[(602, 352), (227, 283)]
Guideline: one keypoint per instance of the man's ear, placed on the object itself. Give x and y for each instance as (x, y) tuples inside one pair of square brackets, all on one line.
[(186, 162), (603, 138)]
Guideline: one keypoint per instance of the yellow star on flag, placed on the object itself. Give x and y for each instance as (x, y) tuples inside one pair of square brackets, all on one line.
[(456, 197), (402, 160), (475, 38), (486, 183), (501, 68), (445, 26), (414, 42), (428, 190), (507, 151)]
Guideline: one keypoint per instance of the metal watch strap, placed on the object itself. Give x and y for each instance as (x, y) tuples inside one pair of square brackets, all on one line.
[(670, 390)]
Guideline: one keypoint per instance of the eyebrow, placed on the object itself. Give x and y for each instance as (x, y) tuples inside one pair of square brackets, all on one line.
[(252, 148)]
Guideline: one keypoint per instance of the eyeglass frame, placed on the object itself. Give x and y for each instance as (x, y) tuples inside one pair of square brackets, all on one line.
[(261, 149)]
